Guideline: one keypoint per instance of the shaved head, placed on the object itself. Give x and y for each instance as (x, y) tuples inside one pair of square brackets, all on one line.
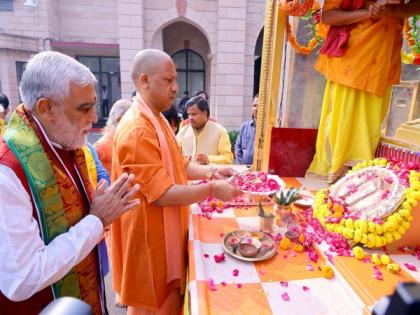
[(148, 61), (154, 75)]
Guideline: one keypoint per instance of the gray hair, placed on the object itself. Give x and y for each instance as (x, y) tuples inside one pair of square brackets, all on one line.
[(117, 111), (48, 74)]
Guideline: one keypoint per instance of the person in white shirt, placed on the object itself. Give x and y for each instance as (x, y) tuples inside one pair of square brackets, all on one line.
[(203, 139), (51, 218)]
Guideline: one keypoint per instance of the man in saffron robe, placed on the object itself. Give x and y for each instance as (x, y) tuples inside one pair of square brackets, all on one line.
[(51, 218), (361, 60), (149, 243)]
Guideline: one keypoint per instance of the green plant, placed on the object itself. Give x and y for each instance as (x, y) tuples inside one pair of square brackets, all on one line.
[(286, 198), (262, 213), (233, 135)]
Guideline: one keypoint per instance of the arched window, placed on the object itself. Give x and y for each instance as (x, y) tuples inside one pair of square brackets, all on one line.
[(191, 71)]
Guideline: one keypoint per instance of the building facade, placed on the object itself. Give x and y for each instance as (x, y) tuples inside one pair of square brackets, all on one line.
[(216, 45)]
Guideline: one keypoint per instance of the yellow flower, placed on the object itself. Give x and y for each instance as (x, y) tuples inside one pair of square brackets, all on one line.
[(393, 267), (378, 241), (363, 226), (371, 240), (285, 243), (379, 229), (301, 238), (327, 272), (357, 236), (396, 235), (358, 252), (388, 237), (298, 248), (376, 260), (349, 223), (412, 202), (364, 239), (385, 260), (390, 225), (338, 208), (371, 227)]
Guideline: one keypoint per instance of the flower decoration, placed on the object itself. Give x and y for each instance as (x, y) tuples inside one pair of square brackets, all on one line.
[(333, 212), (318, 29), (327, 272), (358, 253), (412, 36)]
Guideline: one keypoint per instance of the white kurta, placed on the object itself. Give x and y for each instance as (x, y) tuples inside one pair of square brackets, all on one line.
[(27, 265)]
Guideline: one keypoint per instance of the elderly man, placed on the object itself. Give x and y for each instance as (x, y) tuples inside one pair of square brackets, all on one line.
[(149, 243), (244, 147), (204, 140), (51, 220)]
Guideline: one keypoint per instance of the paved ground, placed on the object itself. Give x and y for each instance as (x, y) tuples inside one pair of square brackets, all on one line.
[(110, 298)]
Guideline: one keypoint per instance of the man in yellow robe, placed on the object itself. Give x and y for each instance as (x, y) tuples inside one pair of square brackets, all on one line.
[(149, 255), (204, 140), (360, 71)]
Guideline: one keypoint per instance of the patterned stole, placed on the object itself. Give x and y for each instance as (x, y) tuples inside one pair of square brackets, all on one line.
[(58, 200)]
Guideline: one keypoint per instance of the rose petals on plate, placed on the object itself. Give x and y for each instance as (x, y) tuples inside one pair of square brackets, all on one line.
[(235, 272), (285, 297), (206, 255), (305, 288), (238, 285), (284, 284)]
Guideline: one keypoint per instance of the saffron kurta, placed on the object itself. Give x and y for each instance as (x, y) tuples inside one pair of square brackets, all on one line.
[(356, 97), (139, 261), (213, 140)]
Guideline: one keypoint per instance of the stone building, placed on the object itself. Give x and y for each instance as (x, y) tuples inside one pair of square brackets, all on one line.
[(216, 44)]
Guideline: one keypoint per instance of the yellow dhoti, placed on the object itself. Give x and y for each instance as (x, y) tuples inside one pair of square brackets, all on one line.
[(349, 130)]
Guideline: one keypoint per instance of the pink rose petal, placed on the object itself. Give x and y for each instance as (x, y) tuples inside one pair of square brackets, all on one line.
[(284, 284), (309, 267), (219, 258), (305, 288), (378, 275), (206, 255), (410, 266), (223, 283), (238, 285), (285, 297), (235, 272)]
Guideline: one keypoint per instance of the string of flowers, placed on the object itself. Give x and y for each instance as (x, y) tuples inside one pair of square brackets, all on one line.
[(412, 36), (318, 30), (376, 232)]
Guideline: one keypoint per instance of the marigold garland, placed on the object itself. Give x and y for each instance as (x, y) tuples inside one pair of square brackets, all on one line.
[(319, 31), (370, 232), (411, 34)]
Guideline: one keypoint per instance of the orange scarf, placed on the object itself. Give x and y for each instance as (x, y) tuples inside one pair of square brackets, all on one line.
[(171, 215)]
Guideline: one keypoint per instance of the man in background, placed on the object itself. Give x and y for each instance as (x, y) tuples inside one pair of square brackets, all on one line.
[(244, 147), (204, 140)]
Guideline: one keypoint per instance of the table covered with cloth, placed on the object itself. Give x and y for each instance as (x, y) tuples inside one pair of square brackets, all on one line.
[(288, 283)]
